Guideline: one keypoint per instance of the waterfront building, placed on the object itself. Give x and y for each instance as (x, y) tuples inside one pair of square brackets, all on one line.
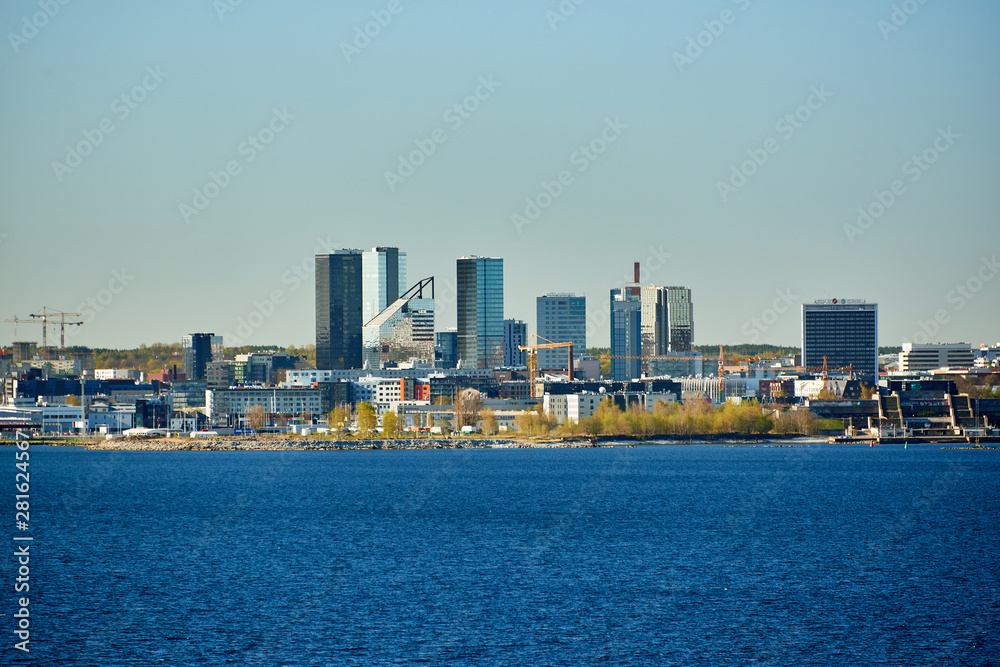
[(339, 310), (560, 318), (383, 279), (515, 334), (480, 311), (845, 332), (197, 350), (404, 331)]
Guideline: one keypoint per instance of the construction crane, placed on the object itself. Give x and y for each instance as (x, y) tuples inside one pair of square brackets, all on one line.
[(44, 317), (17, 321), (532, 349), (721, 371)]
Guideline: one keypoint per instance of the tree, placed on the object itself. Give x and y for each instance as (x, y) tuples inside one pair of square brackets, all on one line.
[(429, 420), (468, 405), (489, 422), (256, 417), (72, 400), (367, 419), (389, 424), (338, 418)]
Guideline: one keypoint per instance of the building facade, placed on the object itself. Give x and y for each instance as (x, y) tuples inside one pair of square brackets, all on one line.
[(404, 331), (384, 279), (626, 338), (515, 334), (339, 310), (446, 348), (930, 356), (480, 311), (561, 318), (197, 350), (845, 332)]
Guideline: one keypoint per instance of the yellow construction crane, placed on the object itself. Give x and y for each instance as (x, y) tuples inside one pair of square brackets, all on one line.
[(44, 317), (532, 349), (17, 321)]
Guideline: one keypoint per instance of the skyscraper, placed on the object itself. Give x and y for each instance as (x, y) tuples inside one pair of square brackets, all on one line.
[(515, 334), (338, 310), (561, 318), (626, 338), (845, 331), (197, 350), (667, 320), (480, 311), (404, 331), (384, 279)]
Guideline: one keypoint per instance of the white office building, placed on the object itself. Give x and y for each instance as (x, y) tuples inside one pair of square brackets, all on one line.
[(930, 356)]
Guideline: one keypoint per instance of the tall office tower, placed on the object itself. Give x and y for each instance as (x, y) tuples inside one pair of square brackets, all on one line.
[(446, 348), (384, 279), (561, 318), (626, 338), (515, 334), (480, 312), (404, 331), (338, 310), (845, 331), (667, 322), (197, 350)]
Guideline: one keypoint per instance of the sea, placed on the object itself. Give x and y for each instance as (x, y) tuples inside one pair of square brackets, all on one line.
[(766, 554)]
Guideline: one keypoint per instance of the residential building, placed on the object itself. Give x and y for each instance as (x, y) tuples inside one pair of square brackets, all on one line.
[(560, 318), (515, 334), (230, 406), (339, 310), (930, 356), (383, 279), (844, 332), (402, 332), (480, 311)]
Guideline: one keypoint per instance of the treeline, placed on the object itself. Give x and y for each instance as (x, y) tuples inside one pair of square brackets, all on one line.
[(749, 350), (694, 417), (158, 356)]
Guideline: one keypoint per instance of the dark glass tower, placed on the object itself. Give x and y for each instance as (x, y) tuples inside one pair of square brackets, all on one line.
[(845, 332), (338, 310), (197, 350), (480, 312)]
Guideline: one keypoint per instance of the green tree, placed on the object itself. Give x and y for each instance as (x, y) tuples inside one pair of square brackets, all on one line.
[(367, 419), (389, 424)]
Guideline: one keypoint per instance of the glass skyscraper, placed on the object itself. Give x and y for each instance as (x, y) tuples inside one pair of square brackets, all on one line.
[(845, 331), (480, 312), (384, 279), (626, 338), (561, 318), (338, 310), (667, 320), (197, 350), (404, 331)]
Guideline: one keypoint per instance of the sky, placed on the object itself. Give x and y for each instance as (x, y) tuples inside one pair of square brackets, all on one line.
[(168, 168)]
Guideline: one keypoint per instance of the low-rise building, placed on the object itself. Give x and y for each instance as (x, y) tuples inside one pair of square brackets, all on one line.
[(930, 356)]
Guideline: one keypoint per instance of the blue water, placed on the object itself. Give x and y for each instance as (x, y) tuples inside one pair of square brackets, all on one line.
[(669, 555)]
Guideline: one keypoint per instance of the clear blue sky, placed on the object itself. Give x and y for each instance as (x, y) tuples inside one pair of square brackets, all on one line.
[(680, 127)]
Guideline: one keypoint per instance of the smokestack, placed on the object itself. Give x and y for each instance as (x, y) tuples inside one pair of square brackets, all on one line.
[(636, 269)]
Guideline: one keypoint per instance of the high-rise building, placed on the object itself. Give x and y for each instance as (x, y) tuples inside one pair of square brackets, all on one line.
[(626, 338), (384, 279), (480, 312), (561, 318), (845, 331), (667, 325), (404, 331), (515, 334), (197, 350), (338, 310), (446, 348)]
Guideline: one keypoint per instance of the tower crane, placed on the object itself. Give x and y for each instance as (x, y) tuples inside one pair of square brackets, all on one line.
[(44, 317), (532, 349), (17, 321)]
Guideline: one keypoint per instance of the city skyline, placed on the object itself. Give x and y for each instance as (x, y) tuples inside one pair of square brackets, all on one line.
[(763, 154)]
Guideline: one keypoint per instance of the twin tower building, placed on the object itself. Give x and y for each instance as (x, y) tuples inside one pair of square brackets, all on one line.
[(368, 315)]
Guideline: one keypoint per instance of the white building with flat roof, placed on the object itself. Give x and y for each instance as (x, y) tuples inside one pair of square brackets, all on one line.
[(930, 356)]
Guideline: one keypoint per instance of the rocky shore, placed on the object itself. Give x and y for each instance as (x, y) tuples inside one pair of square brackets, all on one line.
[(251, 443)]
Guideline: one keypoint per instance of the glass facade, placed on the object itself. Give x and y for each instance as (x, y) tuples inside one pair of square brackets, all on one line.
[(196, 351), (626, 338), (338, 310), (515, 334), (667, 321), (404, 331), (446, 348), (480, 312), (561, 318), (384, 278), (846, 334)]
